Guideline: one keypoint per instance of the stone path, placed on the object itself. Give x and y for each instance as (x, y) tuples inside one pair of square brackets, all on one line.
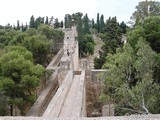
[(68, 100), (98, 46), (69, 103)]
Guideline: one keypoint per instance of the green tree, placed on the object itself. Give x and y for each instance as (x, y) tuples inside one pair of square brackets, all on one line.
[(38, 21), (39, 46), (3, 108), (146, 8), (19, 78), (129, 82), (112, 41), (61, 24), (18, 25), (32, 22), (32, 31), (56, 23), (149, 29), (86, 45), (93, 24), (98, 23), (123, 27), (68, 21), (102, 25), (46, 22), (86, 24)]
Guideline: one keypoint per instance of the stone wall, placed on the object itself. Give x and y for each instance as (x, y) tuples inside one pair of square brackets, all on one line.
[(51, 87), (57, 101), (55, 61), (135, 117), (93, 89), (44, 98), (76, 57), (79, 109), (98, 74)]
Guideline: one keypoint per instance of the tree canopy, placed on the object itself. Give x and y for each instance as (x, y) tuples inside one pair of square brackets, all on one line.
[(19, 77), (144, 9)]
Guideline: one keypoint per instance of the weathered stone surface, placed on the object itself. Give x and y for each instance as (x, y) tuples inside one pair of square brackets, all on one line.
[(96, 73), (139, 117), (45, 96), (108, 110)]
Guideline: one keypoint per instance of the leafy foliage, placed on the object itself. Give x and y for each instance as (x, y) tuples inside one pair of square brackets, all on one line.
[(145, 9), (19, 77), (129, 82), (111, 39)]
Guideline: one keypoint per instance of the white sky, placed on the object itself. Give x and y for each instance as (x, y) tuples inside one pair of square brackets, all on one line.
[(13, 10)]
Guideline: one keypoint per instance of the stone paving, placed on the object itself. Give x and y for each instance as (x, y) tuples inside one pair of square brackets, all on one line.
[(68, 106)]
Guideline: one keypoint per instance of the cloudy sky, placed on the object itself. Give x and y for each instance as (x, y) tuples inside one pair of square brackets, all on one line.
[(13, 10)]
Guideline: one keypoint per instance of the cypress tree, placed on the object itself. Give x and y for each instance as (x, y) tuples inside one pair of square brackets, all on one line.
[(46, 22), (61, 24), (98, 23), (102, 25), (22, 27), (56, 23), (86, 24), (18, 26), (32, 22), (93, 24)]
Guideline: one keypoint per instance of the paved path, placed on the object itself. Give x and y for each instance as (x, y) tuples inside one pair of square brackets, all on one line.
[(69, 102), (97, 48)]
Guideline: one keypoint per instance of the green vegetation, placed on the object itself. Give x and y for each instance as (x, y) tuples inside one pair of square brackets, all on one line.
[(132, 82), (112, 40), (19, 77), (85, 40), (24, 52)]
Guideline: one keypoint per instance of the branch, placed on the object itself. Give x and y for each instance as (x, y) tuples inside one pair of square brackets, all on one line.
[(140, 112), (143, 106)]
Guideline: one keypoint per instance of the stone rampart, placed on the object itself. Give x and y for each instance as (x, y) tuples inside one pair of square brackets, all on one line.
[(79, 109), (98, 74), (55, 60), (45, 96), (57, 101)]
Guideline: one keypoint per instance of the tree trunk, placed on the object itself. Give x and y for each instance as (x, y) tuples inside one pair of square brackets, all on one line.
[(11, 110)]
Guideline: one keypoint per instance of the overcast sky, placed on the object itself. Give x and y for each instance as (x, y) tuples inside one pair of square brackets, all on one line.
[(13, 10)]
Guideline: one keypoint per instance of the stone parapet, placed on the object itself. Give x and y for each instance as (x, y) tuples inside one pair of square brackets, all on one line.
[(79, 109), (56, 103), (134, 117), (55, 60), (45, 96)]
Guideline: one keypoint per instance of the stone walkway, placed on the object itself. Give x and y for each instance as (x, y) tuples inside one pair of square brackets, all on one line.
[(70, 98)]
